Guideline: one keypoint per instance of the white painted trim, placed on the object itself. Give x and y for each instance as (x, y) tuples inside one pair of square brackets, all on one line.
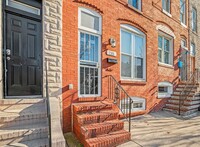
[(136, 32), (95, 33), (169, 89), (167, 13), (93, 13), (171, 52)]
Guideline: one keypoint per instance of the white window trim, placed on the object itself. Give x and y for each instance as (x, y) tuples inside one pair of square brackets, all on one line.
[(139, 7), (95, 33), (93, 13), (169, 87), (165, 11), (193, 19), (184, 23), (171, 52), (136, 31), (136, 100)]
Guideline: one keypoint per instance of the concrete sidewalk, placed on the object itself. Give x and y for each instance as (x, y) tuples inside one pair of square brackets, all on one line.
[(164, 129)]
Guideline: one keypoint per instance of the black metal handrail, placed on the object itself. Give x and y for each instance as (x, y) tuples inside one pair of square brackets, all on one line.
[(193, 80), (47, 102), (120, 98)]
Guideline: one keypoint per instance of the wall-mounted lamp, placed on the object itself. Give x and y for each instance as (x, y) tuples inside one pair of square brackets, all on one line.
[(112, 42)]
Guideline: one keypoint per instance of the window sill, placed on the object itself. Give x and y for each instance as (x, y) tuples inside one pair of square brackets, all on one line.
[(130, 81), (183, 25), (165, 65), (135, 9), (166, 13)]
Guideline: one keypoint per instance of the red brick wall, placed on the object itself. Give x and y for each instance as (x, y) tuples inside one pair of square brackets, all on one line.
[(114, 13)]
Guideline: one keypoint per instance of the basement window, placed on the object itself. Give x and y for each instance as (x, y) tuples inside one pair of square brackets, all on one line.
[(165, 89), (138, 104)]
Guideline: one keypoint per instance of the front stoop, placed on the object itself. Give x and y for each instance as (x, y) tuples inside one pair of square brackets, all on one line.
[(97, 124), (189, 105), (23, 123)]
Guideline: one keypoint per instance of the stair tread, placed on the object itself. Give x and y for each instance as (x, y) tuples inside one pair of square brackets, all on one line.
[(99, 125), (94, 113), (33, 143), (21, 101), (23, 107), (106, 137)]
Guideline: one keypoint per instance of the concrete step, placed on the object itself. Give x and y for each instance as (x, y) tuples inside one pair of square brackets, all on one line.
[(183, 113), (96, 117), (23, 118), (21, 101), (85, 107), (183, 107), (33, 143), (23, 133), (109, 140), (93, 130)]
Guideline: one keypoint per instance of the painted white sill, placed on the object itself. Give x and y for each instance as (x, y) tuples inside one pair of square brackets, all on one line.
[(183, 25), (133, 81), (162, 96), (165, 65), (167, 13)]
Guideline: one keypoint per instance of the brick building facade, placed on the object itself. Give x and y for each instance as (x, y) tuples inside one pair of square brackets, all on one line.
[(151, 20)]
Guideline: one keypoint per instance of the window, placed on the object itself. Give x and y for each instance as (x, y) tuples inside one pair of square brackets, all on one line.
[(165, 49), (194, 20), (166, 5), (139, 104), (21, 6), (183, 11), (165, 89), (135, 3), (192, 49), (89, 52), (183, 43), (132, 53)]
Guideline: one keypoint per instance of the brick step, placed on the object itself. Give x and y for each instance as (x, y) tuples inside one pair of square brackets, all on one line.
[(95, 117), (186, 91), (109, 140), (93, 130), (85, 107), (23, 133), (186, 83), (21, 101), (33, 143)]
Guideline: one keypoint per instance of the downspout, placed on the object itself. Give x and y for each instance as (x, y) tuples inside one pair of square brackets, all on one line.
[(189, 35)]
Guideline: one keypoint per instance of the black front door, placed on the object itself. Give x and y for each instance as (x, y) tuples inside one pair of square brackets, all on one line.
[(23, 56)]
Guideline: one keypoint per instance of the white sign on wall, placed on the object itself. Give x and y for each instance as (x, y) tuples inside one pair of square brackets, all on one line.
[(111, 53)]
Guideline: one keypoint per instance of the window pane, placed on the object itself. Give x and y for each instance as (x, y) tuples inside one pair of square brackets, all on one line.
[(166, 44), (194, 19), (138, 68), (160, 55), (87, 80), (160, 42), (135, 3), (166, 5), (88, 47), (183, 43), (82, 83), (21, 6), (162, 89), (192, 51), (82, 45), (126, 42), (89, 21), (139, 46), (166, 57), (126, 66)]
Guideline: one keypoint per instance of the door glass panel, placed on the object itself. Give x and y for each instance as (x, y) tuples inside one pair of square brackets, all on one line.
[(21, 6), (89, 70), (89, 21)]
